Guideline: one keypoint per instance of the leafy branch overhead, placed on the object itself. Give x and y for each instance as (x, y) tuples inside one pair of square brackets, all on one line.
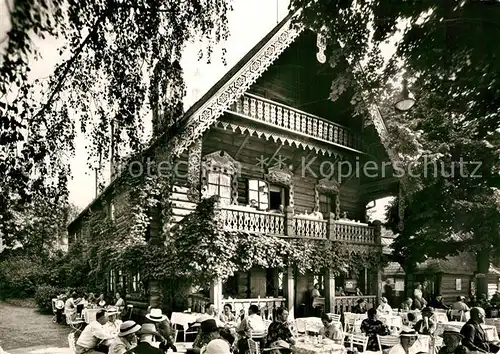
[(119, 61)]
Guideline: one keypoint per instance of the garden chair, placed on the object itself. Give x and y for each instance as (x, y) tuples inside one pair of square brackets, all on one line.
[(358, 340), (456, 315), (387, 341), (334, 317), (75, 324), (72, 342), (253, 347)]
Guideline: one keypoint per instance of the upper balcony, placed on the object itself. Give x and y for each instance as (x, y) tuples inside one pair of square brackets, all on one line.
[(288, 224), (264, 111)]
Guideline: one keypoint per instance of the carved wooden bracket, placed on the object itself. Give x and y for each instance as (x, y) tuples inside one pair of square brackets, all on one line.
[(221, 162), (194, 172), (327, 186)]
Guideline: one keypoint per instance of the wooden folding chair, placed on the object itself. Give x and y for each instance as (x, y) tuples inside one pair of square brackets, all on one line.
[(334, 317), (387, 341), (75, 324), (358, 340), (253, 347), (72, 342)]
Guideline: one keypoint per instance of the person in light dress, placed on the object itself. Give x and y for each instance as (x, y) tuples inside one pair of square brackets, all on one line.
[(384, 308)]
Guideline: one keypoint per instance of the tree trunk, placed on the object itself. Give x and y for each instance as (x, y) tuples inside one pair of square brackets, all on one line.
[(483, 266), (409, 281)]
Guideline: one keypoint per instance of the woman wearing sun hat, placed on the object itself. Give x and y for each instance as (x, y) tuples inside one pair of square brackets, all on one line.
[(407, 338), (452, 340), (126, 339)]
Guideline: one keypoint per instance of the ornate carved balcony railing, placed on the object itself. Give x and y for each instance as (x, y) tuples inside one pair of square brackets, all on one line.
[(247, 219), (294, 120), (350, 232), (236, 218), (305, 227)]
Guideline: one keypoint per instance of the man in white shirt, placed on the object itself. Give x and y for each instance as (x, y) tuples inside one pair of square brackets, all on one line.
[(384, 308), (94, 336), (407, 345), (253, 327)]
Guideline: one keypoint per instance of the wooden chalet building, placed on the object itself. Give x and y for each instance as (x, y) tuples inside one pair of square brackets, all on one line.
[(262, 139)]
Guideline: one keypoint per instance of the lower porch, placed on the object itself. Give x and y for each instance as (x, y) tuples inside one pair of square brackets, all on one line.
[(270, 289)]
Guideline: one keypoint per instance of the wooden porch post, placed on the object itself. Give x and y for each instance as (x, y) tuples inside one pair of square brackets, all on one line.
[(329, 291), (289, 291), (216, 294)]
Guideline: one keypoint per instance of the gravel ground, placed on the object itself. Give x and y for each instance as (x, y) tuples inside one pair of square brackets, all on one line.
[(22, 327)]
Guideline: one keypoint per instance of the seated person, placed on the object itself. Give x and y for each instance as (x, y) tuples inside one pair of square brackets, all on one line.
[(372, 326), (427, 325), (253, 327), (162, 325), (412, 320), (126, 338), (452, 340), (147, 336), (407, 304), (279, 329), (100, 301), (360, 308), (112, 326), (227, 316), (217, 346), (460, 304), (120, 303), (94, 336), (407, 338), (70, 306), (330, 329), (208, 332), (384, 308), (474, 336), (438, 303)]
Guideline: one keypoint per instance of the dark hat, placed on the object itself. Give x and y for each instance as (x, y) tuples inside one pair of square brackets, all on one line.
[(360, 301), (428, 309), (209, 326)]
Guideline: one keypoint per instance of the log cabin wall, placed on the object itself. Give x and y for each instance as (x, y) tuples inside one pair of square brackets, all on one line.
[(247, 155), (448, 286)]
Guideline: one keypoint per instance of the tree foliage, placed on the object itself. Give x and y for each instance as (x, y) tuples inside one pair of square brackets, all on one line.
[(120, 60), (447, 51)]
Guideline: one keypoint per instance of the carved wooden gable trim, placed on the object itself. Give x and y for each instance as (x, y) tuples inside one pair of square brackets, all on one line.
[(236, 86), (220, 161)]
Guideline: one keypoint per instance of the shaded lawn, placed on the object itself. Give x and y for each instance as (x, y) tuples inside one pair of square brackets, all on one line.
[(25, 327)]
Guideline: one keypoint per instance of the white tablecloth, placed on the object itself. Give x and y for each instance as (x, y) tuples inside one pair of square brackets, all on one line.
[(392, 321), (327, 347), (490, 331), (441, 317), (184, 319), (89, 314)]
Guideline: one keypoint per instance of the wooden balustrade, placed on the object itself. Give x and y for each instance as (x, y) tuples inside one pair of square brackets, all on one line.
[(291, 119), (237, 218), (344, 304), (253, 221), (352, 233), (197, 302), (267, 306), (311, 228)]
